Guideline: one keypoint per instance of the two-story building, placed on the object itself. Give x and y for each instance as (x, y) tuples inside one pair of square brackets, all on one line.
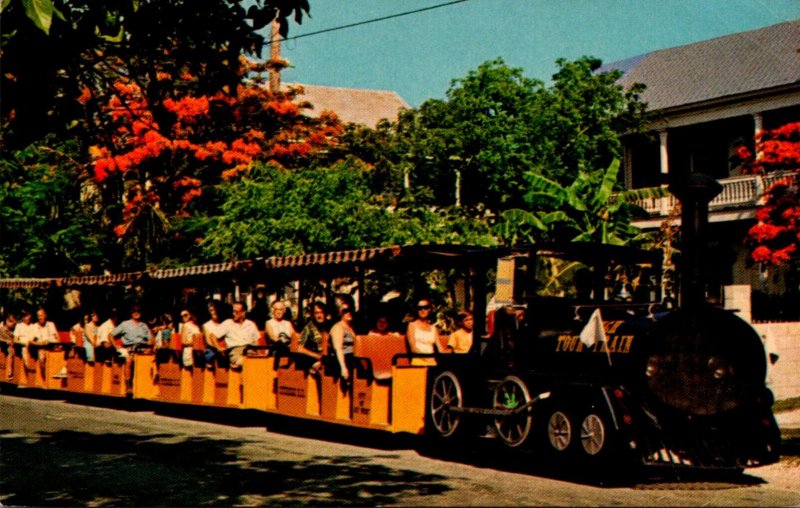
[(707, 99)]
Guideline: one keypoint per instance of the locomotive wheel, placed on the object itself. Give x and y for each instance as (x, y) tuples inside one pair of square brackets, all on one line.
[(593, 434), (445, 394), (513, 429), (559, 431)]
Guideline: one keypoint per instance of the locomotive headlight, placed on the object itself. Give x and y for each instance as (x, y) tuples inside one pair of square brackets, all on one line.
[(652, 367), (718, 367)]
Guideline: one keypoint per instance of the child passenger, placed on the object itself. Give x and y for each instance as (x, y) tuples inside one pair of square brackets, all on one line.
[(460, 341)]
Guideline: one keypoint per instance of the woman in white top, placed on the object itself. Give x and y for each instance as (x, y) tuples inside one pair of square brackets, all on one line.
[(212, 331), (279, 331), (422, 335), (189, 332)]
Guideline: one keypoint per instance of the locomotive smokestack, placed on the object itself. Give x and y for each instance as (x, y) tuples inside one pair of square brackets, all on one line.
[(695, 193)]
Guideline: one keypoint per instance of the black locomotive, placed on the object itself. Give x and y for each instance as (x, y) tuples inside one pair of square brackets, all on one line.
[(590, 365)]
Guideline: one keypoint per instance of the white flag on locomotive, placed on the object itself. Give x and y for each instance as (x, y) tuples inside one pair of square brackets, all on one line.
[(593, 332)]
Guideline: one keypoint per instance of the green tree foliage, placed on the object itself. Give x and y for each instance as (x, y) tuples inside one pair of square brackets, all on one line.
[(496, 125), (278, 212), (46, 214), (52, 50), (587, 210)]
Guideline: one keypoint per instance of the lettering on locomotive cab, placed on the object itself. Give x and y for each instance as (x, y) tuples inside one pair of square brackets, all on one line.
[(614, 344)]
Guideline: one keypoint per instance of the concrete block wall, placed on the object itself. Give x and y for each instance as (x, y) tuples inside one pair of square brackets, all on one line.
[(783, 339)]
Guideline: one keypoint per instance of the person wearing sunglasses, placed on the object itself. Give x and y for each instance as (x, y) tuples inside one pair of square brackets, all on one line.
[(189, 332), (422, 335), (343, 337)]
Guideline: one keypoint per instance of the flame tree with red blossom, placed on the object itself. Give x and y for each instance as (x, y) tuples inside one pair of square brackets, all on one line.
[(775, 239), (159, 160)]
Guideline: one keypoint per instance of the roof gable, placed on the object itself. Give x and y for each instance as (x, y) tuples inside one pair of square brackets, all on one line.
[(727, 66), (352, 105)]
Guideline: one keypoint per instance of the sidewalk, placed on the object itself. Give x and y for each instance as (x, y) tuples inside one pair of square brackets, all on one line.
[(789, 422)]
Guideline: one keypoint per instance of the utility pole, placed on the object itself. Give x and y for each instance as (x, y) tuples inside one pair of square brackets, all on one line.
[(275, 62)]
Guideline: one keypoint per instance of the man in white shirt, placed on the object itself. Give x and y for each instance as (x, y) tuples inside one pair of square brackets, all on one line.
[(239, 332), (43, 331), (23, 332), (212, 332), (105, 345)]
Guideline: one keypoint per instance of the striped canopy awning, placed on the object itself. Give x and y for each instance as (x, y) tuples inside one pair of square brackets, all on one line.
[(187, 271), (329, 258), (101, 280), (25, 283), (414, 254)]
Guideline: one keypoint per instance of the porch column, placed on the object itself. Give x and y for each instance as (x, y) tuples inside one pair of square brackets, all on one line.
[(758, 128), (662, 141), (664, 204), (628, 167)]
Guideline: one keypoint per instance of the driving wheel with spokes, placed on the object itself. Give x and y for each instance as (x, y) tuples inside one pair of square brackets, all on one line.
[(559, 431), (593, 434), (445, 395), (512, 394)]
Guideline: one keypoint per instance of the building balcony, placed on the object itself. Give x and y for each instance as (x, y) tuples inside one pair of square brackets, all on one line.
[(739, 199)]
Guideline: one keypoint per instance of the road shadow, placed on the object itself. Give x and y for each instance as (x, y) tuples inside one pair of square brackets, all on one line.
[(70, 468), (483, 453), (492, 454)]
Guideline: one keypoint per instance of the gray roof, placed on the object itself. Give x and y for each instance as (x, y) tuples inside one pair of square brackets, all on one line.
[(727, 66)]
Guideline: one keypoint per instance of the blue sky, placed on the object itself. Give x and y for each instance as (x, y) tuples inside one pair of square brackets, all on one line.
[(418, 55)]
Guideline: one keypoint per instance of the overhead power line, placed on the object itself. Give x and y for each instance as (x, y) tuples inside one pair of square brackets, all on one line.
[(366, 22)]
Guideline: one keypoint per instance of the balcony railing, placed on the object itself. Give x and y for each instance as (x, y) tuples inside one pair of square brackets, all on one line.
[(737, 192)]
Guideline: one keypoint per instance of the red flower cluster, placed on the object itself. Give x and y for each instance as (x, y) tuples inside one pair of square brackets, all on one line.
[(776, 237), (218, 136)]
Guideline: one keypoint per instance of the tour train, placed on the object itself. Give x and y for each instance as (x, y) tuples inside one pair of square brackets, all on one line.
[(578, 358)]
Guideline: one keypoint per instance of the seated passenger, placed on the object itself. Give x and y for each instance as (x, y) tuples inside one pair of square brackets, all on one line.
[(164, 330), (23, 332), (43, 332), (105, 346), (133, 332), (89, 332), (189, 331), (460, 341), (7, 328), (212, 331), (510, 332), (382, 325), (314, 337), (238, 332), (343, 337), (278, 329), (422, 335), (7, 336)]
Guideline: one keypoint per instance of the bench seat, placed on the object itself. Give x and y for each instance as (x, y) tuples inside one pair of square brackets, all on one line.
[(380, 350)]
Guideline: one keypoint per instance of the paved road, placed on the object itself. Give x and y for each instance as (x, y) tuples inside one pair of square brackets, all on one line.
[(76, 452)]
